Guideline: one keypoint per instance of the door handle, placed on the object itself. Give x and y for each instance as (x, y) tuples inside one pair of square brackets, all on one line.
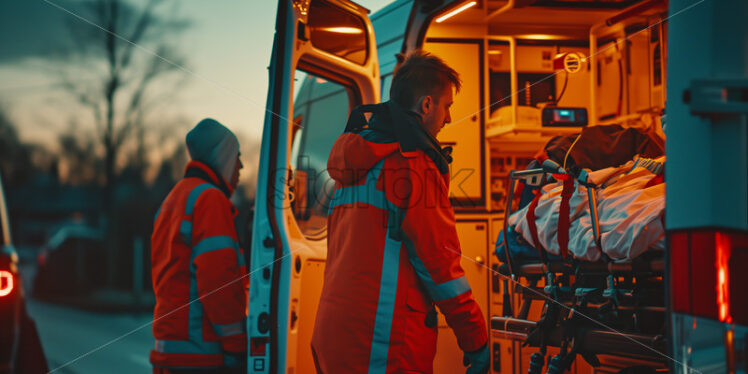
[(713, 97), (480, 260)]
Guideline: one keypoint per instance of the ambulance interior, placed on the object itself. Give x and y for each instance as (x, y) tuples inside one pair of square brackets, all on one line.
[(531, 71), (546, 69)]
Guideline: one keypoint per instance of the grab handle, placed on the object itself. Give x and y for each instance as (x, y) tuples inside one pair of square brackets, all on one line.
[(550, 166)]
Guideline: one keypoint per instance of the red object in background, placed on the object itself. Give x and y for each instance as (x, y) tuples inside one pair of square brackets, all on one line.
[(706, 269), (558, 61), (6, 283)]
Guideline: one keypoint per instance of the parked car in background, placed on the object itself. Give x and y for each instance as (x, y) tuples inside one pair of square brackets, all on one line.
[(70, 263), (20, 349)]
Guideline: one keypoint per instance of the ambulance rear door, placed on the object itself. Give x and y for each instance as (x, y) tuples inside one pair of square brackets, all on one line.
[(707, 185), (324, 63)]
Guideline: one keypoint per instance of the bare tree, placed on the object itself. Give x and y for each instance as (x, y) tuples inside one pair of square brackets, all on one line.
[(120, 71), (119, 66), (15, 156), (78, 160)]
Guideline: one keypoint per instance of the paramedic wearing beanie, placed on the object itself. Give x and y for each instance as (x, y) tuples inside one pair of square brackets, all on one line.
[(199, 275), (392, 247)]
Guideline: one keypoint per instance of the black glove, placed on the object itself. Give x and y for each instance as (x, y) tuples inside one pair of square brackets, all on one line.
[(479, 361)]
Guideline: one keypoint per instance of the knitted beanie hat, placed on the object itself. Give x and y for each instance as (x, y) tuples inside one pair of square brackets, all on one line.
[(214, 145)]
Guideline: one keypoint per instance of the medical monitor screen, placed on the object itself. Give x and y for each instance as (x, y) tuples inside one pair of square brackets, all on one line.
[(564, 117)]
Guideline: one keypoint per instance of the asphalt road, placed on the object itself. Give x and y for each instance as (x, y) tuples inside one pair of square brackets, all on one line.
[(77, 341)]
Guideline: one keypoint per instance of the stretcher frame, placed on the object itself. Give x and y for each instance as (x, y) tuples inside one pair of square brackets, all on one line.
[(574, 290)]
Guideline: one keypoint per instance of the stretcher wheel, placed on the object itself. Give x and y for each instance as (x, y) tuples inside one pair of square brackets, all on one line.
[(556, 365), (537, 361)]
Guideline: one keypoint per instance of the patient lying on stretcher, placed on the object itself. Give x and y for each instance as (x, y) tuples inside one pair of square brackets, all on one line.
[(630, 205)]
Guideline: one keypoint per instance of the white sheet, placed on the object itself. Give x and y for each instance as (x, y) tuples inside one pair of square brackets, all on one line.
[(630, 214)]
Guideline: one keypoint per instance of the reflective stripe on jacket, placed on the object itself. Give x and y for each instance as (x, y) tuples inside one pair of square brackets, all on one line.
[(199, 276), (393, 252)]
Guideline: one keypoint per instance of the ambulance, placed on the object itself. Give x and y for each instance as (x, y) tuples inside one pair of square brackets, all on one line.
[(532, 71)]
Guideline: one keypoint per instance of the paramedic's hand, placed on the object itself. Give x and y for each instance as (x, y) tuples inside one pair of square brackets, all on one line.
[(479, 361)]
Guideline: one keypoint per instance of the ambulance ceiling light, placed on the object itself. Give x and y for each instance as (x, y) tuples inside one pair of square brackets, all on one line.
[(456, 11), (538, 37)]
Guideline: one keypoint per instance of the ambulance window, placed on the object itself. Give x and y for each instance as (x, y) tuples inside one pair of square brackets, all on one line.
[(320, 113), (338, 32)]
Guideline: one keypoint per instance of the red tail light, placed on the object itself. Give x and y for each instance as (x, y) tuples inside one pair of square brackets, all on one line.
[(723, 248), (6, 283), (707, 269)]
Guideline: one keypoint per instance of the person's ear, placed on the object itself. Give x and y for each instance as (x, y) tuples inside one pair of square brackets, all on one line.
[(427, 103)]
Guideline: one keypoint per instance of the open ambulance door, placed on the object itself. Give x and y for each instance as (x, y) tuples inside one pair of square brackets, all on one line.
[(324, 63)]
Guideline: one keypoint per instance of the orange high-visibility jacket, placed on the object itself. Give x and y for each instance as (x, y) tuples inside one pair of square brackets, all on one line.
[(393, 252), (199, 276)]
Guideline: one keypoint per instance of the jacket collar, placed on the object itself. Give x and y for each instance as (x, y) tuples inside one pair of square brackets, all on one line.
[(197, 169), (404, 126)]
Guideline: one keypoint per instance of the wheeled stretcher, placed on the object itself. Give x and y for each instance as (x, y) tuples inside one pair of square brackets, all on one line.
[(597, 298)]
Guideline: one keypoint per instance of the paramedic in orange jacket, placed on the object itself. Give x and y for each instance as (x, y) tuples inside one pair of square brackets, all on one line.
[(199, 275), (393, 250)]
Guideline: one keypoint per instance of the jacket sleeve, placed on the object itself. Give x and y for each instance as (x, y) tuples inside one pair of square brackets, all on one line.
[(221, 275), (434, 251)]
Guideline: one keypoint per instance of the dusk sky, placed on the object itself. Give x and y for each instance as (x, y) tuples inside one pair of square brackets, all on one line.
[(226, 49)]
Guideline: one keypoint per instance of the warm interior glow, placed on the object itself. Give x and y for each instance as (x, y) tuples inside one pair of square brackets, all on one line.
[(343, 30), (538, 37), (456, 11), (6, 283), (723, 286)]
